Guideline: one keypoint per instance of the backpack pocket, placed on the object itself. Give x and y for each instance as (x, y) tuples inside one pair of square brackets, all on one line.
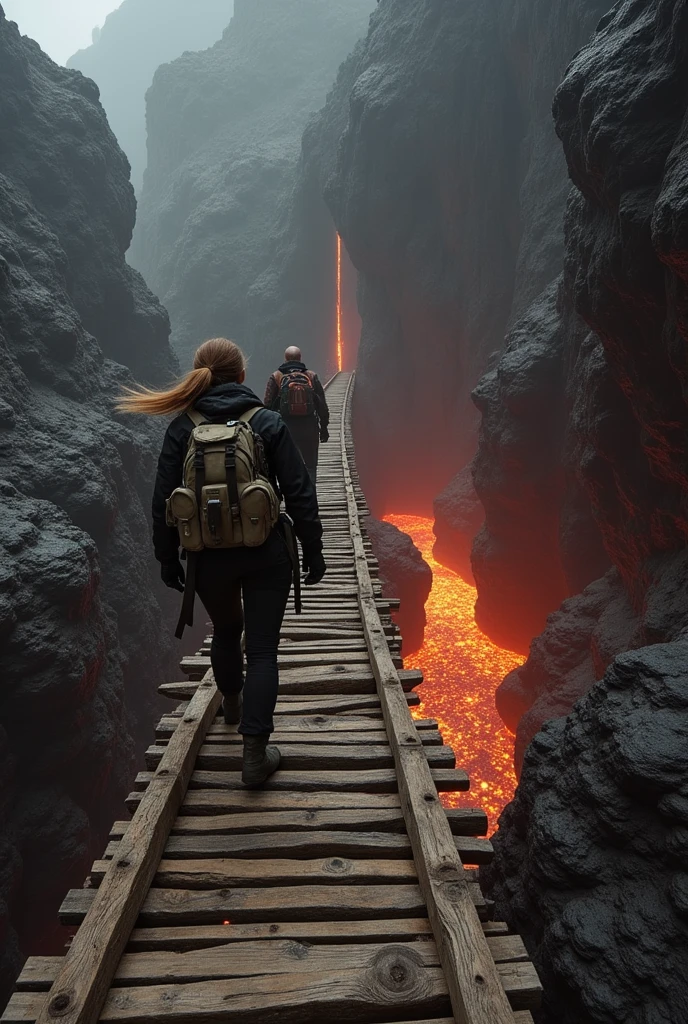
[(259, 513), (183, 511), (216, 520)]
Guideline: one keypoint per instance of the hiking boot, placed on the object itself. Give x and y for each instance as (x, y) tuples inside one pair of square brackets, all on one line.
[(231, 708), (260, 760)]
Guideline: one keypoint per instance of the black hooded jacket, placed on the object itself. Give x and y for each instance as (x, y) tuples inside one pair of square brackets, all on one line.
[(228, 402)]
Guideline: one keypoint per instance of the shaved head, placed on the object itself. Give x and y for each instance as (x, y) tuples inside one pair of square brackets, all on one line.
[(292, 355)]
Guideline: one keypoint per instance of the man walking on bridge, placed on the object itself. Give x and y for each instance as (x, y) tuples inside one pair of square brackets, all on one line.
[(297, 394)]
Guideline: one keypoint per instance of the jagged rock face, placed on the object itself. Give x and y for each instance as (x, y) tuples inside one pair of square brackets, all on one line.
[(50, 122), (404, 574), (591, 855), (135, 40), (225, 129), (607, 409), (539, 543), (448, 192), (83, 635), (459, 515)]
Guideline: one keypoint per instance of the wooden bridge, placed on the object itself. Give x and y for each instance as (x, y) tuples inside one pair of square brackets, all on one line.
[(338, 892)]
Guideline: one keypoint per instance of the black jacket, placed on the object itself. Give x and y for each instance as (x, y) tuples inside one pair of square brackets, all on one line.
[(272, 391), (228, 402)]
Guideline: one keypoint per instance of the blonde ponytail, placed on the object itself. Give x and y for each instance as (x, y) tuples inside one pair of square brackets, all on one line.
[(218, 361)]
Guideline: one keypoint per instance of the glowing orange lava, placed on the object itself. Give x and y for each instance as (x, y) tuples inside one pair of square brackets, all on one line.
[(462, 669), (340, 343)]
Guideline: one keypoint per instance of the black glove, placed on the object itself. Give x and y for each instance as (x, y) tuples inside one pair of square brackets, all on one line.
[(172, 574), (324, 435), (314, 566)]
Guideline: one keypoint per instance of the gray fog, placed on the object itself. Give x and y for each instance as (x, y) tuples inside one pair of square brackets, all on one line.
[(60, 26)]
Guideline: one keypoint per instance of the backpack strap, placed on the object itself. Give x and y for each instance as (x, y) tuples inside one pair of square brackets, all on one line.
[(186, 617), (196, 418), (247, 416)]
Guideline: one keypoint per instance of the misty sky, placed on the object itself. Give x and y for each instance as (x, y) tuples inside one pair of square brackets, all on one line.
[(60, 26)]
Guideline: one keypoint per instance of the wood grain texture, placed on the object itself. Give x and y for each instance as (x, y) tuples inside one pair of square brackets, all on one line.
[(82, 984), (336, 892), (259, 959), (380, 780), (476, 992), (279, 903)]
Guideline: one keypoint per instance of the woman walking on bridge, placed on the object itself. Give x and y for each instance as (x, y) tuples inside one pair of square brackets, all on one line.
[(225, 462)]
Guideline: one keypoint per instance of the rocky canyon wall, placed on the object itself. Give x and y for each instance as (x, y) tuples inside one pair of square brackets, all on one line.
[(82, 626), (585, 423), (582, 466), (448, 191), (404, 574), (225, 130), (135, 40)]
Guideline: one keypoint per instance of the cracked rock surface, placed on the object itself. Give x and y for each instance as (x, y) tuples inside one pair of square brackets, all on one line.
[(83, 624)]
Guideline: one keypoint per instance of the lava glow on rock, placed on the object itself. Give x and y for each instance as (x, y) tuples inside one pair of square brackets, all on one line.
[(340, 341), (462, 670)]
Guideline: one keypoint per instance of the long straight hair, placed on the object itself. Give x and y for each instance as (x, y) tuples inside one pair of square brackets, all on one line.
[(218, 361)]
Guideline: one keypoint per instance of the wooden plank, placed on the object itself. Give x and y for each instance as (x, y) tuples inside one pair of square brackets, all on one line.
[(205, 936), (314, 723), (374, 780), (279, 903), (181, 939), (237, 874), (331, 683), (86, 974), (237, 960), (463, 821), (259, 960), (396, 979), (476, 993), (223, 801), (212, 801), (287, 739), (289, 660), (308, 757), (307, 844), (297, 730), (305, 633)]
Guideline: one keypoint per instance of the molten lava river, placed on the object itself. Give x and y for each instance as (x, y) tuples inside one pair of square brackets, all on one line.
[(461, 670)]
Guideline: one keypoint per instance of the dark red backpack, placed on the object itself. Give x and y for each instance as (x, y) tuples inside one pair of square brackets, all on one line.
[(296, 394)]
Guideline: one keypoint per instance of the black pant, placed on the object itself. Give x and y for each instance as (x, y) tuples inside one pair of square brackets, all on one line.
[(263, 575), (305, 432)]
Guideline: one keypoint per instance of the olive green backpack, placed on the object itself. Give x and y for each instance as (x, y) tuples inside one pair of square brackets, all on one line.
[(226, 499)]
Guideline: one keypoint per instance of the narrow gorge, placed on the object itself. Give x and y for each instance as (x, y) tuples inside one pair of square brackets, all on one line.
[(482, 209)]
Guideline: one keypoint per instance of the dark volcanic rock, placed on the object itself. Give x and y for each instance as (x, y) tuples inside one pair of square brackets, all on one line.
[(448, 192), (538, 543), (135, 40), (403, 574), (459, 514), (225, 130), (591, 855), (83, 637), (580, 640), (607, 410)]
